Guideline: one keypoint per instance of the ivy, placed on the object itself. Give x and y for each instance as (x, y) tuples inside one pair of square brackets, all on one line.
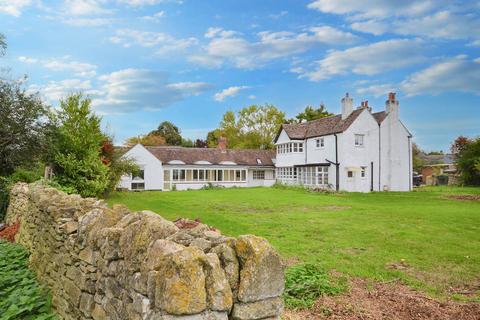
[(21, 296)]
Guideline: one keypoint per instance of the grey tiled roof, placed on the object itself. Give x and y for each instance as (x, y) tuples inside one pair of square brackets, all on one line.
[(213, 155)]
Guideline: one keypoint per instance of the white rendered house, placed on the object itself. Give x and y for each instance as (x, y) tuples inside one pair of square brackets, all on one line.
[(179, 168), (355, 151)]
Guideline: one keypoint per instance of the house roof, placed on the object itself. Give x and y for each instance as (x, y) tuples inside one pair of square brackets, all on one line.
[(215, 156), (325, 126)]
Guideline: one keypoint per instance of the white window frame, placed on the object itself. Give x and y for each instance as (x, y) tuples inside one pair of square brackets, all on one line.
[(359, 140), (320, 143), (258, 174)]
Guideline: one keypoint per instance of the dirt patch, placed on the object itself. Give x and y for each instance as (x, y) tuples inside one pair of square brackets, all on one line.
[(464, 197), (390, 300)]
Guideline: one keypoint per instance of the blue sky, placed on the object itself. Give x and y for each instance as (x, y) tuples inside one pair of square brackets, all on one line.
[(189, 61)]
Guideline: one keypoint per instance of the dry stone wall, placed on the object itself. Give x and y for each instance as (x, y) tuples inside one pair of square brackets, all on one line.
[(110, 263)]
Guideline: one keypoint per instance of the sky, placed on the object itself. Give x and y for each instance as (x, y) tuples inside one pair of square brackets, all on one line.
[(189, 61)]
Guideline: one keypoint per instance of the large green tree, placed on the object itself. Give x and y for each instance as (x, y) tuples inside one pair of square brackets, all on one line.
[(468, 162), (24, 127), (170, 132), (253, 127), (78, 147), (310, 113)]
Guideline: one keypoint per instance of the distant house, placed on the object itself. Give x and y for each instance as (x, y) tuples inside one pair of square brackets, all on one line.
[(356, 150), (440, 169)]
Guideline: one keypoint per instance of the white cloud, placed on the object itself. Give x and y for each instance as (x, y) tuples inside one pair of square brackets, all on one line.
[(442, 24), (229, 46), (27, 60), (228, 92), (53, 91), (279, 15), (378, 90), (131, 90), (372, 26), (79, 69), (369, 59), (457, 74), (375, 8), (139, 3), (154, 17), (13, 7), (163, 42), (84, 7), (86, 22)]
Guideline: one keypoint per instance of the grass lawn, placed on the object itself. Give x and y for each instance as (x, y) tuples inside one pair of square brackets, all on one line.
[(421, 237)]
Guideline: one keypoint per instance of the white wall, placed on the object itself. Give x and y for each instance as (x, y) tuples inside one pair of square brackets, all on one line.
[(269, 178), (396, 154), (153, 173), (291, 158), (355, 157)]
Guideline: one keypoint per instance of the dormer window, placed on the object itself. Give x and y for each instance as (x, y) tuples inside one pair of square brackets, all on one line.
[(359, 140), (320, 142), (259, 161)]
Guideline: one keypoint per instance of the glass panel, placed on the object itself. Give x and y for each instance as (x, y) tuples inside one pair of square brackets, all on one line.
[(195, 174), (219, 175)]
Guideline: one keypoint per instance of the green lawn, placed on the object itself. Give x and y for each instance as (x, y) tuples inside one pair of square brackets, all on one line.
[(438, 239)]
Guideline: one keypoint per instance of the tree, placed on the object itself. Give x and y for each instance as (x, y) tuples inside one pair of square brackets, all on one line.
[(418, 162), (187, 143), (150, 139), (468, 163), (253, 127), (77, 151), (459, 145), (310, 114), (3, 45), (25, 127), (169, 132), (199, 143), (117, 165)]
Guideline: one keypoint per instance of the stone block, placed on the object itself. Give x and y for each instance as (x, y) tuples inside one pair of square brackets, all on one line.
[(272, 307)]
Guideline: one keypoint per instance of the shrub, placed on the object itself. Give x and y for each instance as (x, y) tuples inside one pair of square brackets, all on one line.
[(305, 283), (21, 297)]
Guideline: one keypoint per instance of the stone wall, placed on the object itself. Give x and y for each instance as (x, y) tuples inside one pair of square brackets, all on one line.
[(110, 263)]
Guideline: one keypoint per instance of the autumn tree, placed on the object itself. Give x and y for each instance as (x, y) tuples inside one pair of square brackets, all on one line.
[(150, 139), (459, 145)]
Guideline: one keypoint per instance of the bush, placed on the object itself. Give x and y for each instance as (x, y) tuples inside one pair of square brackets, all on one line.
[(468, 163), (305, 283), (21, 297)]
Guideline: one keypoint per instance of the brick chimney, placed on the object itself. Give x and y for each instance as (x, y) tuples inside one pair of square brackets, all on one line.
[(347, 106), (392, 105), (222, 143)]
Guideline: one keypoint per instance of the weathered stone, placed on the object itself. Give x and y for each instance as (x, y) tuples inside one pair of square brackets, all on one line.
[(87, 255), (262, 270), (272, 307), (87, 303), (103, 263), (229, 263), (72, 291), (180, 283), (71, 227), (158, 251), (219, 294), (137, 236), (181, 237), (202, 244), (99, 313)]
